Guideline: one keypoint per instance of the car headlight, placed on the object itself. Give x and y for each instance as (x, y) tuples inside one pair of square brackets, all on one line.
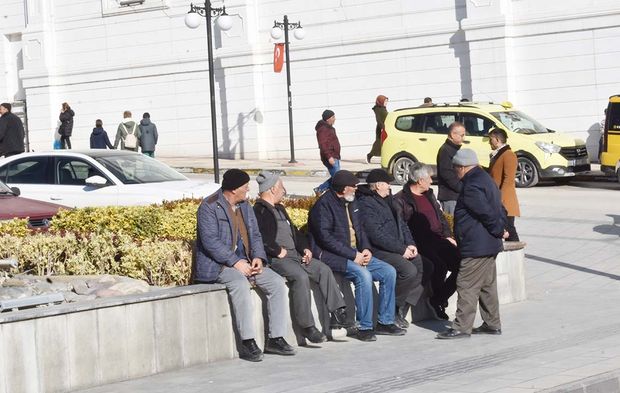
[(549, 148)]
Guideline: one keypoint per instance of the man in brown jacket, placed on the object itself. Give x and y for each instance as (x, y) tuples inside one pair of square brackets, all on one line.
[(329, 146), (503, 169)]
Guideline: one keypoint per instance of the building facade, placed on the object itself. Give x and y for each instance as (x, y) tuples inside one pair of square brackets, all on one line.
[(557, 60)]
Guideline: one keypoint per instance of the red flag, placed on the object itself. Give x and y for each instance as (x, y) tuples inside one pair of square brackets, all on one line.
[(278, 57)]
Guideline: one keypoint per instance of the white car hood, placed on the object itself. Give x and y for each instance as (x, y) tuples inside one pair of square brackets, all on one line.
[(144, 194)]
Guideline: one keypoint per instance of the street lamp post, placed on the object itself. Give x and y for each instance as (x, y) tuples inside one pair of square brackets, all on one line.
[(224, 21), (276, 33)]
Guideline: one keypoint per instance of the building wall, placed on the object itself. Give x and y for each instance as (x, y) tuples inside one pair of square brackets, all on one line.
[(555, 60)]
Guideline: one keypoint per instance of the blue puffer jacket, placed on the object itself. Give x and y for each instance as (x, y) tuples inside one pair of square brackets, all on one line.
[(385, 227), (328, 228), (214, 241), (479, 217)]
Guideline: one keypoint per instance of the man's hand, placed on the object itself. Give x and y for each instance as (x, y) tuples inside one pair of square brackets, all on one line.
[(359, 259), (282, 253), (331, 161), (244, 267), (307, 257), (257, 266), (505, 235), (414, 250), (408, 254), (451, 240), (367, 256)]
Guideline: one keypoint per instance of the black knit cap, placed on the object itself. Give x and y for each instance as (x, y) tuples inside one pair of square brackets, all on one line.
[(343, 178), (234, 178), (327, 114), (379, 175)]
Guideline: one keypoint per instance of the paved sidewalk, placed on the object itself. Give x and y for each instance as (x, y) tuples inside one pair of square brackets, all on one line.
[(566, 334)]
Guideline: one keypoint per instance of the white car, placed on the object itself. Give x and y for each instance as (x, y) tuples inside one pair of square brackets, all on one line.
[(98, 178)]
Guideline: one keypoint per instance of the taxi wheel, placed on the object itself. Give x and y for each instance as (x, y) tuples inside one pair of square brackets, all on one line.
[(401, 170), (527, 174)]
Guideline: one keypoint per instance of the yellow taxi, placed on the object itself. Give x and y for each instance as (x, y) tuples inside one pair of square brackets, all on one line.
[(416, 134), (610, 156)]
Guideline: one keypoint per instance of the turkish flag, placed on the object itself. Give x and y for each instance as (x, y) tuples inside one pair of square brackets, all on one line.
[(278, 57)]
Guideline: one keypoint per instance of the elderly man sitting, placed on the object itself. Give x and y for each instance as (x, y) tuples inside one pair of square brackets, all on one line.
[(290, 256)]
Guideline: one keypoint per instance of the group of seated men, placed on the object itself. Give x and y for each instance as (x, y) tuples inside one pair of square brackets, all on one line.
[(359, 232)]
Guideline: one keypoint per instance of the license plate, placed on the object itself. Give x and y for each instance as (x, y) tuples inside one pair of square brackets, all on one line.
[(581, 161)]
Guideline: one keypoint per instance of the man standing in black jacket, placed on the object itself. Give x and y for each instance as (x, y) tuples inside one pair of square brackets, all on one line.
[(479, 226), (290, 256), (449, 183), (11, 132)]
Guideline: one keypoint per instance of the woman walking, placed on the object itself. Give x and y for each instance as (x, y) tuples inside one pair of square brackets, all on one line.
[(380, 115), (66, 125)]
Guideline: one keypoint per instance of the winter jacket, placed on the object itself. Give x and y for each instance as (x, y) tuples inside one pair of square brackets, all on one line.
[(214, 241), (328, 225), (11, 134), (417, 223), (380, 115), (99, 139), (384, 226), (449, 183), (329, 145), (148, 135), (121, 134), (503, 170), (479, 217), (268, 226), (66, 122)]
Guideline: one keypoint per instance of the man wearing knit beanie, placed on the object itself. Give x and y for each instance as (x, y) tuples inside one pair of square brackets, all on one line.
[(230, 252), (289, 255), (329, 147)]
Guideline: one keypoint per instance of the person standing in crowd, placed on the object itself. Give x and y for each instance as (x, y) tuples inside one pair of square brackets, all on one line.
[(391, 240), (601, 139), (11, 132), (449, 183), (479, 225), (432, 234), (503, 170), (381, 113), (230, 252), (290, 256), (99, 137), (148, 135), (338, 238), (128, 133), (329, 147), (428, 101), (66, 125)]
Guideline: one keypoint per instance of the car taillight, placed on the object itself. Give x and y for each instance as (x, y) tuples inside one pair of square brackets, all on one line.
[(383, 135)]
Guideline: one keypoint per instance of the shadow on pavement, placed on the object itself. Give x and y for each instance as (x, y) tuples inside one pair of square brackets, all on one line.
[(436, 326), (609, 229), (572, 266)]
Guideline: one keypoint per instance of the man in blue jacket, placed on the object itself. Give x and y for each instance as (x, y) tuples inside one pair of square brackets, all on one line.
[(230, 252), (338, 238), (479, 226)]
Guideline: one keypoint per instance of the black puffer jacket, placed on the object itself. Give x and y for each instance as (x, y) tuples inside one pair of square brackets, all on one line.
[(11, 134), (66, 122), (268, 226), (384, 226), (449, 183)]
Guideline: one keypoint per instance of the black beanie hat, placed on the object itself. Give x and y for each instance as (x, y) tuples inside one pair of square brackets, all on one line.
[(327, 114), (343, 178), (234, 178)]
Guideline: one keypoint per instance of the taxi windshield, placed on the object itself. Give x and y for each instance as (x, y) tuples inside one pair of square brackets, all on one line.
[(520, 123)]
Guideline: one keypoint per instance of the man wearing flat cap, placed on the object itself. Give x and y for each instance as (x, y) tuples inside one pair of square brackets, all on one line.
[(290, 256), (479, 226), (390, 240), (338, 238), (329, 147), (230, 252)]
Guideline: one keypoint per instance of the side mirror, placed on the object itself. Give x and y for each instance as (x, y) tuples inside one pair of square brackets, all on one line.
[(16, 191), (96, 181)]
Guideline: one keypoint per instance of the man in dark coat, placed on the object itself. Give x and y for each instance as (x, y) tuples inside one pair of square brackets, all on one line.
[(230, 252), (479, 225), (449, 183), (290, 256), (11, 132), (431, 231), (148, 135), (66, 125), (329, 147), (338, 238), (391, 240)]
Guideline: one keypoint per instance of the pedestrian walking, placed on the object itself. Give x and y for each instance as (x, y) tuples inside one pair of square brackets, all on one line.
[(428, 101), (329, 147), (148, 135), (66, 125), (128, 133), (381, 112), (11, 132), (99, 137)]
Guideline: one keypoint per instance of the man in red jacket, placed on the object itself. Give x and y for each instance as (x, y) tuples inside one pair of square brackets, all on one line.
[(329, 147)]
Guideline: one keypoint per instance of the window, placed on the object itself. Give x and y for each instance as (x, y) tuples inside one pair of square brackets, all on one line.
[(438, 123), (476, 125), (120, 7), (409, 123), (74, 172), (32, 170)]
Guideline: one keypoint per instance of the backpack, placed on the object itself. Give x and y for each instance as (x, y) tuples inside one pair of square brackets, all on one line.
[(131, 142)]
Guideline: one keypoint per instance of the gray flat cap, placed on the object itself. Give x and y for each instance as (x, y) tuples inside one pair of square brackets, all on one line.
[(465, 157), (266, 180)]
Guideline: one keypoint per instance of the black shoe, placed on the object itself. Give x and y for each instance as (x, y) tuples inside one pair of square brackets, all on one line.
[(314, 335), (452, 333), (437, 311), (339, 319), (390, 330), (250, 351), (485, 329), (279, 346), (366, 335), (352, 331), (400, 319)]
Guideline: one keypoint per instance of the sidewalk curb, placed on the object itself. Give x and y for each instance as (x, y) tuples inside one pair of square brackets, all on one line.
[(294, 172)]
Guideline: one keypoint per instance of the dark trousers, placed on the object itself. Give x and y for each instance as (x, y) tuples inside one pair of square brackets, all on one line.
[(445, 258), (477, 283), (298, 276), (65, 142), (408, 276), (513, 236)]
